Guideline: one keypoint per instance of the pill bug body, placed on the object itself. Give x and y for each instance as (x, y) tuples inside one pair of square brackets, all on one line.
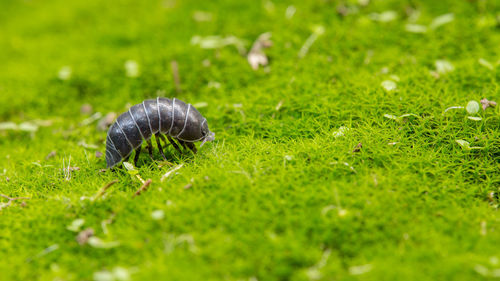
[(173, 118)]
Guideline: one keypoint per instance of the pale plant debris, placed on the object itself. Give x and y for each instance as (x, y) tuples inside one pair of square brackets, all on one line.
[(82, 143), (103, 190), (158, 215), (486, 272), (202, 16), (346, 9), (217, 42), (392, 143), (188, 186), (453, 107), (131, 68), (105, 222), (340, 132), (389, 85), (483, 230), (269, 6), (104, 123), (466, 145), (441, 20), (175, 73), (444, 66), (98, 154), (143, 187), (97, 242), (28, 126), (91, 119), (345, 164), (357, 148), (340, 211), (368, 57), (64, 73), (117, 274), (415, 28), (314, 272), (485, 103), (10, 199), (173, 241), (132, 171), (213, 85), (360, 269), (68, 169), (277, 108), (486, 64), (394, 77), (472, 107), (75, 225), (83, 236), (317, 32), (474, 118), (171, 171), (200, 104), (51, 154), (45, 252), (290, 11), (401, 118), (256, 57), (385, 16)]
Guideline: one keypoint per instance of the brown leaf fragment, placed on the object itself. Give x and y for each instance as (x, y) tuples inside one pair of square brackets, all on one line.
[(256, 57), (72, 169), (143, 188), (86, 109), (103, 170), (106, 121), (84, 236), (487, 103), (358, 147), (98, 154), (50, 155), (188, 186), (7, 179)]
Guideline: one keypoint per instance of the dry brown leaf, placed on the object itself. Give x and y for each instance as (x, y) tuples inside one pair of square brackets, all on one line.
[(487, 103), (83, 237)]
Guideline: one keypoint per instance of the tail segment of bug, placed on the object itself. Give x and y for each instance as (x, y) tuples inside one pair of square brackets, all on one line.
[(172, 117)]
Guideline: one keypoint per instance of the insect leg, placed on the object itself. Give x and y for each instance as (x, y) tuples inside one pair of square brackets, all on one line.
[(158, 142), (191, 146), (137, 153), (150, 149), (182, 143), (174, 144)]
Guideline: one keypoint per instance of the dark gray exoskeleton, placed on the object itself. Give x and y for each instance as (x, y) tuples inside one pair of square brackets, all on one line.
[(171, 117)]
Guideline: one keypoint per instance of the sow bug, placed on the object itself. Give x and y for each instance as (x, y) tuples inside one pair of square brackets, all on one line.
[(161, 116)]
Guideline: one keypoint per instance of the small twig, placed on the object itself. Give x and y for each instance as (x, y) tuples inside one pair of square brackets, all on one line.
[(175, 73), (103, 189), (143, 188), (171, 171), (10, 200)]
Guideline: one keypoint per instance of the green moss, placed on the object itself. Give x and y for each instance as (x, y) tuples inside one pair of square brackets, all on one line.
[(276, 196)]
